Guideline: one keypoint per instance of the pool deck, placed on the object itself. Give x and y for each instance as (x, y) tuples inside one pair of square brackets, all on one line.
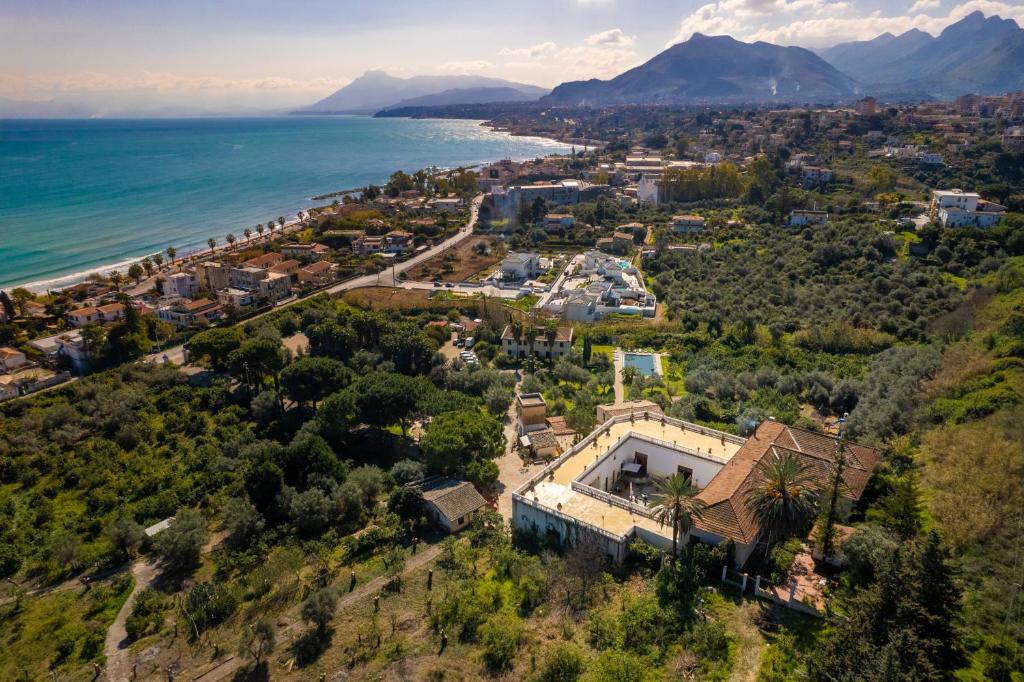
[(618, 359)]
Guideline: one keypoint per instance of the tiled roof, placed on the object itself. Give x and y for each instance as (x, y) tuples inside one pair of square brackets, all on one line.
[(453, 499), (545, 438), (726, 512), (559, 426)]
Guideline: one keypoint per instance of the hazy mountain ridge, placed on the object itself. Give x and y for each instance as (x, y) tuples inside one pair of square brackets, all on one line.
[(376, 90), (715, 69), (977, 54)]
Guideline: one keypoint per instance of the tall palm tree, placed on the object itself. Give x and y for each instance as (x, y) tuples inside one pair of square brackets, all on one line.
[(783, 496), (677, 505), (212, 242), (280, 220), (270, 226), (248, 234), (159, 260), (230, 239), (171, 253)]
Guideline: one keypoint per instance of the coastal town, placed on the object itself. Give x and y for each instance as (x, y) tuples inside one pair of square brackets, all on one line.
[(725, 391)]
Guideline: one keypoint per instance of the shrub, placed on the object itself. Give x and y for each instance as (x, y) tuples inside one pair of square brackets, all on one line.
[(208, 604), (562, 663), (782, 558), (147, 614), (500, 637)]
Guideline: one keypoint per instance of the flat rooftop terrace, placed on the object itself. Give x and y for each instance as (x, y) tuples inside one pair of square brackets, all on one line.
[(553, 487)]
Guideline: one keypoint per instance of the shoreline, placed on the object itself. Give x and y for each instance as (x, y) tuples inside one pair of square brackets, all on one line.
[(185, 252)]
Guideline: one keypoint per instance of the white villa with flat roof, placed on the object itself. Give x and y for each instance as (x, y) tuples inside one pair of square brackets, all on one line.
[(597, 489)]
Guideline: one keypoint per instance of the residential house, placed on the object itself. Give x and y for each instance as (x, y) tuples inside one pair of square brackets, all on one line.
[(444, 205), (804, 217), (276, 286), (11, 359), (236, 298), (519, 266), (451, 504), (622, 242), (648, 189), (368, 245), (956, 208), (539, 345), (213, 276), (286, 267), (181, 285), (185, 314), (685, 224), (305, 252), (1013, 140), (398, 241), (248, 277), (318, 274), (559, 221), (812, 176), (109, 312), (264, 261)]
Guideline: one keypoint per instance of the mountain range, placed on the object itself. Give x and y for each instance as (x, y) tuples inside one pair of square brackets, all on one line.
[(977, 54), (706, 69), (376, 90)]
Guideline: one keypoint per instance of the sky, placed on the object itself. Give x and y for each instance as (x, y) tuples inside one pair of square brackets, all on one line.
[(114, 56)]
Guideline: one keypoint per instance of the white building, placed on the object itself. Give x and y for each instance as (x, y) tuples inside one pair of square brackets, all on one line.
[(648, 189), (954, 198), (507, 200), (539, 345), (598, 490), (181, 285), (519, 266), (958, 217), (956, 208), (801, 217), (685, 224)]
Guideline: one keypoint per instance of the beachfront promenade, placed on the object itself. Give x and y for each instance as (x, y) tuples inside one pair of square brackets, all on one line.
[(176, 355)]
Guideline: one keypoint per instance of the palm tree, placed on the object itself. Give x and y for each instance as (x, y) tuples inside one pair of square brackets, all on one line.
[(159, 260), (270, 226), (259, 229), (783, 496), (147, 265), (212, 242), (171, 253), (280, 220), (248, 234), (117, 279), (550, 334), (677, 505), (230, 239)]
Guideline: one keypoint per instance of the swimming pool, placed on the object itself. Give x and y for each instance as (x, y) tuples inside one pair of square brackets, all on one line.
[(644, 362)]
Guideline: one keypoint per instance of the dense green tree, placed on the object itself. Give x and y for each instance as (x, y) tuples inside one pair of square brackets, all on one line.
[(215, 345), (181, 543), (310, 379), (257, 642), (125, 535), (455, 439), (406, 502), (384, 398), (242, 522), (331, 339)]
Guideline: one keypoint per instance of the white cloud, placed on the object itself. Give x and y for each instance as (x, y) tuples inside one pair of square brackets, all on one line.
[(923, 6), (819, 23), (614, 37), (533, 51), (600, 55)]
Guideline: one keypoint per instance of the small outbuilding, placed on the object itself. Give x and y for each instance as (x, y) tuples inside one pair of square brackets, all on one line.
[(450, 503)]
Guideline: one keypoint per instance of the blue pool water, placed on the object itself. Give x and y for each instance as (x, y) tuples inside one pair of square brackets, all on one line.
[(644, 362), (77, 196)]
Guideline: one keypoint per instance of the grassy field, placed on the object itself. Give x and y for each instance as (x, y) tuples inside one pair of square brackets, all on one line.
[(398, 299)]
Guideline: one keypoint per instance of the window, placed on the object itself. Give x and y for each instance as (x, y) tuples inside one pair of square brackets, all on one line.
[(461, 519), (685, 471)]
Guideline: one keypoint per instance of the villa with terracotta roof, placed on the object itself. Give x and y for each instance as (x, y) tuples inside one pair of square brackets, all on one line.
[(604, 486)]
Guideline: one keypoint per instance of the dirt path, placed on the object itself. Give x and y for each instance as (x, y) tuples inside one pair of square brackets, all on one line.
[(751, 642), (116, 647)]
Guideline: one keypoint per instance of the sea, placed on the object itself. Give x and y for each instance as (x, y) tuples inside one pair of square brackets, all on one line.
[(82, 196)]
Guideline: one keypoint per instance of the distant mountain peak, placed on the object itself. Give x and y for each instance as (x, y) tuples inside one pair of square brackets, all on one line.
[(707, 69)]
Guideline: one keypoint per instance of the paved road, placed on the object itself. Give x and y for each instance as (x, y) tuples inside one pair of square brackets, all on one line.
[(386, 278)]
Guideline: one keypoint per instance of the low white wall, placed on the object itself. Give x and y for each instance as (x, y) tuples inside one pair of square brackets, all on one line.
[(661, 461)]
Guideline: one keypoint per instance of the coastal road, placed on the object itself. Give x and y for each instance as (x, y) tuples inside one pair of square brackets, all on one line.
[(176, 355)]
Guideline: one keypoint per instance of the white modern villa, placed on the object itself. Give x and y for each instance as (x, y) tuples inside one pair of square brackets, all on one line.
[(602, 488)]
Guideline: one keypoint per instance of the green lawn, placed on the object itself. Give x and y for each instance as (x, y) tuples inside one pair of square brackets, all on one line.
[(524, 303), (603, 350)]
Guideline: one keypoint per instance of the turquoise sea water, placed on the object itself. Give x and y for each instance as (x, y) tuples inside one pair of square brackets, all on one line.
[(79, 196)]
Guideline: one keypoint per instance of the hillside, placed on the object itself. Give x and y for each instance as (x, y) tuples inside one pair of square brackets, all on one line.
[(467, 96), (977, 54), (376, 90), (715, 69)]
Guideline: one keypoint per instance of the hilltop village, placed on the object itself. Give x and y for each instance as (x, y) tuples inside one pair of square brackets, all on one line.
[(688, 402)]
